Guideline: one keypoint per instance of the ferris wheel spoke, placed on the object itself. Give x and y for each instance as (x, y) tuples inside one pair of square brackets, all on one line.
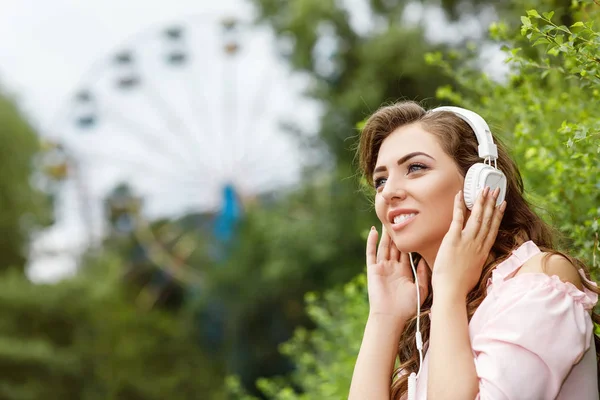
[(229, 111), (258, 110), (271, 171), (153, 140), (264, 139), (198, 103), (209, 162), (142, 163), (138, 164), (190, 187), (174, 121), (196, 195), (181, 242), (161, 257), (261, 146), (264, 175), (173, 191)]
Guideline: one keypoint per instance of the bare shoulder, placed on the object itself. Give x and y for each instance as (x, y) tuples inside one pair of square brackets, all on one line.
[(553, 264)]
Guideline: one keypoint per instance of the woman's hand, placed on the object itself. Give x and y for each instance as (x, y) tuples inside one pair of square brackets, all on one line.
[(391, 286), (463, 251)]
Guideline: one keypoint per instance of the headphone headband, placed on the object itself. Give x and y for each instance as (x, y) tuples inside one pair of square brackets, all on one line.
[(487, 149)]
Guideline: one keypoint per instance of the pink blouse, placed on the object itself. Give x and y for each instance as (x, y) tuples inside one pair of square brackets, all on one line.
[(532, 337)]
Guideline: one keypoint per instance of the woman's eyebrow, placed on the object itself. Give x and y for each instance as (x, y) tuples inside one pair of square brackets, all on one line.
[(404, 159)]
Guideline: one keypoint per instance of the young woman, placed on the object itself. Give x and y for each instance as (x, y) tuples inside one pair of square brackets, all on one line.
[(503, 314)]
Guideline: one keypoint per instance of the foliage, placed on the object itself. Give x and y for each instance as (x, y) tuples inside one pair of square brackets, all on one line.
[(84, 338), (544, 109), (324, 358), (291, 247), (23, 208)]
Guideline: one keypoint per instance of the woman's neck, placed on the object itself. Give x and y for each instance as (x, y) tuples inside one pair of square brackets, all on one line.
[(430, 255)]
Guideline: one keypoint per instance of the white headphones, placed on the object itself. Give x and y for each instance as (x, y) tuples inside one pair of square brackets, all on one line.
[(481, 174)]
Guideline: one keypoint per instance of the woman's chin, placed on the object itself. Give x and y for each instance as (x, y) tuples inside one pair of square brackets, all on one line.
[(407, 245)]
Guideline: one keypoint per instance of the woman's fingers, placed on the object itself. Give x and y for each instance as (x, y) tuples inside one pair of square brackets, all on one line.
[(458, 213), (489, 209), (372, 246), (394, 252), (383, 252), (476, 218), (495, 225)]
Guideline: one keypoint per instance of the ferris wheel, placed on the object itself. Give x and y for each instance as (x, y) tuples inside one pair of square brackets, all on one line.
[(187, 117)]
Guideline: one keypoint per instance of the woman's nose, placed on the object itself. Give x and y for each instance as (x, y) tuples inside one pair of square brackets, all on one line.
[(393, 190)]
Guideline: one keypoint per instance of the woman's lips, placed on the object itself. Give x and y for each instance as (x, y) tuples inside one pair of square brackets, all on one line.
[(403, 222)]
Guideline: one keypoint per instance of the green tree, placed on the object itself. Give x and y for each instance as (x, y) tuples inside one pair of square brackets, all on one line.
[(85, 338), (324, 357), (21, 206)]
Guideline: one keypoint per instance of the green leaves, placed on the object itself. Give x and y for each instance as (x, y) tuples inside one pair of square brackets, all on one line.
[(324, 357), (22, 207), (575, 48), (84, 338)]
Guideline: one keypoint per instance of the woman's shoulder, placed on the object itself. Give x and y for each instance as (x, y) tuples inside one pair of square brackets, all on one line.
[(553, 264), (545, 278)]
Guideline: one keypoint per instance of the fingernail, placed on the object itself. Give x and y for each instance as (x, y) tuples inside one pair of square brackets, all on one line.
[(485, 191), (372, 228), (503, 206), (496, 192)]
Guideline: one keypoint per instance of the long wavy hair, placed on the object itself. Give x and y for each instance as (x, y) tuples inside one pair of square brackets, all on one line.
[(519, 224)]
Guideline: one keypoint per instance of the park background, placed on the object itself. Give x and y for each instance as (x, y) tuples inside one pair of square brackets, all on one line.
[(182, 217)]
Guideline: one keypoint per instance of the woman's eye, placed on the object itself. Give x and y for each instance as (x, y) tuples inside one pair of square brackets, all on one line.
[(415, 167), (379, 182)]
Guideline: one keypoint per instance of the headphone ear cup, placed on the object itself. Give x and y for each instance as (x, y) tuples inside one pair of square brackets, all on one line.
[(479, 176), (471, 185)]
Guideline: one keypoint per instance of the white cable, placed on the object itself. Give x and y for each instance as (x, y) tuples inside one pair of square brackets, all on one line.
[(412, 386), (412, 379)]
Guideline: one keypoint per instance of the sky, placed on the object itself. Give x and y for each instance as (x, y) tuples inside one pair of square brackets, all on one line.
[(52, 43)]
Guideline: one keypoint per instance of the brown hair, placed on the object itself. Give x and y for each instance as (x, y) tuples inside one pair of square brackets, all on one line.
[(519, 224)]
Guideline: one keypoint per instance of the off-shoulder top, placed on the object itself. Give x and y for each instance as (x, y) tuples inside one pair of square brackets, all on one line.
[(532, 337)]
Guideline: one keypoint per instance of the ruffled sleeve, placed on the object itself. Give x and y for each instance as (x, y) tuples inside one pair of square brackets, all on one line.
[(538, 328)]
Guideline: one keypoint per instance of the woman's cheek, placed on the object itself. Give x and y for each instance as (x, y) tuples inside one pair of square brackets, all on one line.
[(380, 208)]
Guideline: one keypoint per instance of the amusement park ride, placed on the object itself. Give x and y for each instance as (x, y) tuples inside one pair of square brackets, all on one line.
[(182, 123)]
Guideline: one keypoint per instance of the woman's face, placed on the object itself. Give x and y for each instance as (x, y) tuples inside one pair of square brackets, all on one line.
[(416, 182)]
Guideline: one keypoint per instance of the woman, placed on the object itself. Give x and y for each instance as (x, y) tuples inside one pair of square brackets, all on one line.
[(503, 315)]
